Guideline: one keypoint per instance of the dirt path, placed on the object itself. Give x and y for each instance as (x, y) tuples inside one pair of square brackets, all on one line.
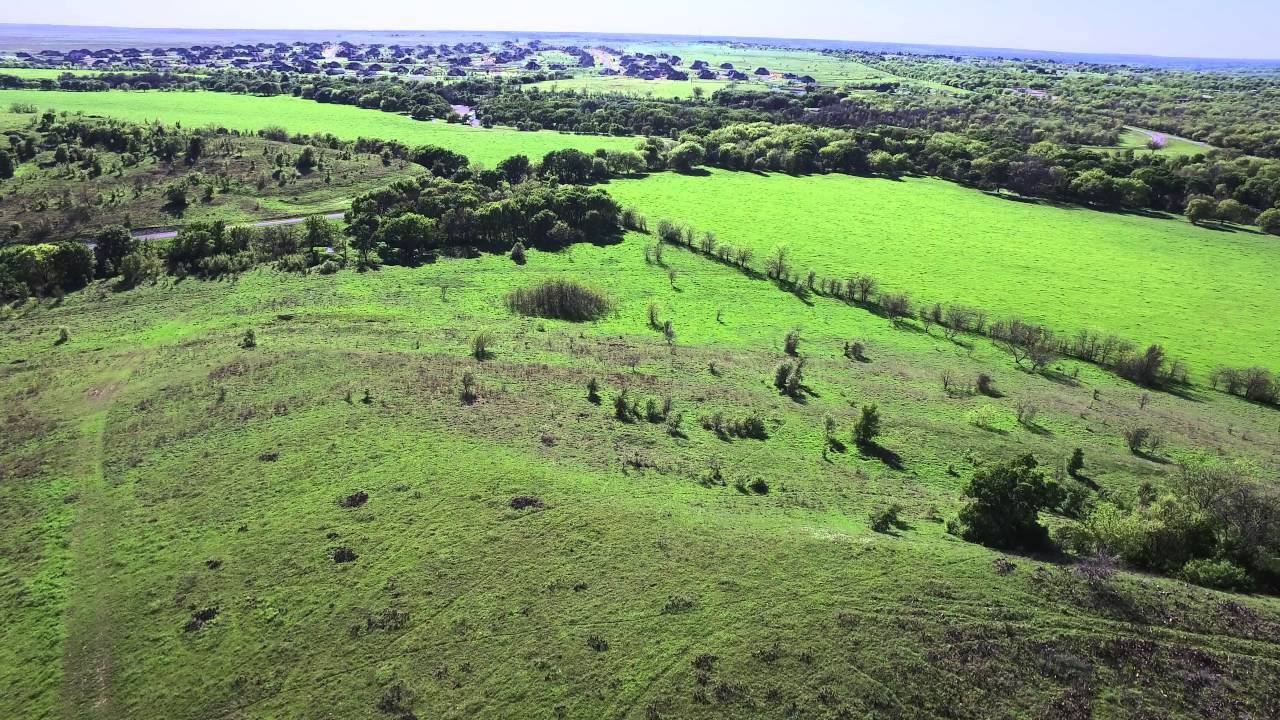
[(89, 665), (161, 234)]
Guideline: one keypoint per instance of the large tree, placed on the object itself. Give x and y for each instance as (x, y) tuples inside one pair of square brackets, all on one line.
[(1004, 504)]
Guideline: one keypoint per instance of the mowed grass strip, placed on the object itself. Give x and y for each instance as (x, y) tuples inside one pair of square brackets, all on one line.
[(1208, 295), (252, 113)]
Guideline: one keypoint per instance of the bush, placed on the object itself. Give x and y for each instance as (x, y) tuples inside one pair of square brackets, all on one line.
[(138, 267), (249, 340), (1076, 463), (791, 343), (593, 391), (518, 255), (985, 417), (1141, 440), (560, 300), (867, 428), (886, 519), (1004, 505), (480, 345), (1217, 574)]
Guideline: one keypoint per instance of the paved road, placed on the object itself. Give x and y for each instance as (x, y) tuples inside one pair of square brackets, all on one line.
[(163, 234)]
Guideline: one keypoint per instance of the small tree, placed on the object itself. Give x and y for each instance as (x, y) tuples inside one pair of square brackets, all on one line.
[(791, 343), (593, 391), (1200, 209), (1076, 463), (1269, 221), (249, 340), (867, 428), (1004, 505), (518, 253)]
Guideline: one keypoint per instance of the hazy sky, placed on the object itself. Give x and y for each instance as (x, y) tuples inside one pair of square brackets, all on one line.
[(1204, 28)]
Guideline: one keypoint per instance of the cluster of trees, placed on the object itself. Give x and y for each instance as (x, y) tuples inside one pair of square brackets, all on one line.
[(1217, 525), (44, 268), (1256, 384), (1233, 108), (413, 221)]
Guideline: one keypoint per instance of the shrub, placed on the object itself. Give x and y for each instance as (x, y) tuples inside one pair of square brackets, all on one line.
[(293, 262), (593, 391), (886, 519), (791, 343), (622, 406), (1076, 463), (1004, 505), (987, 386), (518, 255), (654, 320), (249, 340), (1219, 574), (561, 300), (139, 266), (985, 416), (1027, 412), (480, 345), (855, 350), (470, 392), (64, 334), (328, 267), (1141, 440), (758, 486), (867, 429)]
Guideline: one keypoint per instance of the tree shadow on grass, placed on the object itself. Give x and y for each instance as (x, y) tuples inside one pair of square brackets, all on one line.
[(878, 452)]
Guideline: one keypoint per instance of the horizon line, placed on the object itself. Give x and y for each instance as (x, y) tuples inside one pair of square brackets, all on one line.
[(909, 44)]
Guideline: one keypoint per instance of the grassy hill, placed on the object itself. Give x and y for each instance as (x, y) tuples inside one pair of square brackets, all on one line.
[(1207, 294), (172, 503), (249, 112)]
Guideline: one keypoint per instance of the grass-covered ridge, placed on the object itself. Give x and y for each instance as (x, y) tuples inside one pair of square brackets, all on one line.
[(1206, 294), (253, 113), (642, 576)]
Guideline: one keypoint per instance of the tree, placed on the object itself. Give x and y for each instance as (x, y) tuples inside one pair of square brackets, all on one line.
[(1269, 221), (1004, 505), (1076, 463), (110, 245), (1200, 209), (306, 161), (1234, 211), (685, 156), (516, 168), (867, 429), (411, 236), (195, 149)]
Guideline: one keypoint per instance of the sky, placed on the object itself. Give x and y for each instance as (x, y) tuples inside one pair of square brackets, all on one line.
[(1181, 28)]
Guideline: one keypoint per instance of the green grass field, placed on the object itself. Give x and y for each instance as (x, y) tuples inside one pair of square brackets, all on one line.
[(826, 69), (1207, 295), (55, 73), (632, 86), (1136, 140), (158, 471), (248, 112)]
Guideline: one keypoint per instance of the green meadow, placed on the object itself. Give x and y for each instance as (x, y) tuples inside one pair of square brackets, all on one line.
[(632, 86), (249, 112), (1136, 140), (174, 501), (1207, 294)]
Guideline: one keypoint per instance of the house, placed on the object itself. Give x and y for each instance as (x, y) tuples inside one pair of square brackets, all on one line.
[(762, 71), (726, 66), (608, 72), (705, 74), (456, 72)]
